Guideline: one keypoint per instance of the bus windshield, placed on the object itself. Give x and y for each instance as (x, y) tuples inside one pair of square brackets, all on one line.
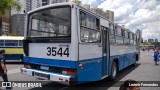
[(50, 22)]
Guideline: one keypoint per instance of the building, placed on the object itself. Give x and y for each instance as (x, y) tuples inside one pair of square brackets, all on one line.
[(110, 15), (150, 40), (17, 24), (17, 19), (5, 23), (156, 40), (32, 4)]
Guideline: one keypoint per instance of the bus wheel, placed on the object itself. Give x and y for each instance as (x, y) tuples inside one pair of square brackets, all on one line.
[(114, 71)]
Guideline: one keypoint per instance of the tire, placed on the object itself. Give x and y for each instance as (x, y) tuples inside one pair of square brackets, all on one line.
[(114, 71)]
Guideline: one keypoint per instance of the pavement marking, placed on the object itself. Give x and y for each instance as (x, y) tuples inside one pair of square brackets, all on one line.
[(13, 71)]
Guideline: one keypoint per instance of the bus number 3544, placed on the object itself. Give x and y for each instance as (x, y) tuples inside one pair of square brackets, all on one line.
[(53, 51)]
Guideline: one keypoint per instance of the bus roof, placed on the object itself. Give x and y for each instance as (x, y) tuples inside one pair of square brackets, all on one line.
[(11, 38)]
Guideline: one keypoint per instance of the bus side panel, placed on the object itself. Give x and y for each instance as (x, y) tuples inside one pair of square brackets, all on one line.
[(121, 58), (51, 62), (104, 65), (89, 72), (133, 58), (125, 61), (90, 56)]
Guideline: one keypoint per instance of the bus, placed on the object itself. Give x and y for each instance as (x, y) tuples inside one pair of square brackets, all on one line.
[(13, 46), (68, 44)]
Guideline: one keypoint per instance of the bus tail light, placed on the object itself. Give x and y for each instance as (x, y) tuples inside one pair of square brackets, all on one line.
[(69, 71), (27, 65)]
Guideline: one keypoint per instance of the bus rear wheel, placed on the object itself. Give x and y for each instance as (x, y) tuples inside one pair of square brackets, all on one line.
[(113, 71)]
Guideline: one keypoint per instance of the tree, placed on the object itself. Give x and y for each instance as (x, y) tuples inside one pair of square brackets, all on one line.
[(8, 5)]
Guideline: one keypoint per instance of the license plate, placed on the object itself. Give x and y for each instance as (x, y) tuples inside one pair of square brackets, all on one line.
[(44, 67), (41, 75)]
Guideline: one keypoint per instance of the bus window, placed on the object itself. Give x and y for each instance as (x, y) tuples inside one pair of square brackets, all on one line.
[(131, 38), (122, 32), (115, 30), (62, 30), (1, 42), (97, 24), (126, 34), (91, 36), (119, 37), (119, 33), (11, 43), (82, 19), (126, 38), (20, 43), (111, 29), (89, 21), (135, 39), (47, 23)]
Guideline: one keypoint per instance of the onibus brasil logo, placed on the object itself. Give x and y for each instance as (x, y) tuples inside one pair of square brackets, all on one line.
[(21, 84)]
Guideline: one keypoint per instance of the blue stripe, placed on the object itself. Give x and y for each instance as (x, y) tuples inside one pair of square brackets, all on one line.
[(52, 62), (57, 62)]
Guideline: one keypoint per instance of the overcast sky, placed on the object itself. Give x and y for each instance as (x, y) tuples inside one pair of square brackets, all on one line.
[(134, 14)]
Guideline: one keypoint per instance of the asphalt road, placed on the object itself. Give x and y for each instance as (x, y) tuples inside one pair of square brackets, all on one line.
[(145, 70)]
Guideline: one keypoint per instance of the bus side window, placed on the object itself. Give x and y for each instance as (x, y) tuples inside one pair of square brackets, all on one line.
[(112, 36), (11, 43), (119, 38), (89, 21), (111, 29), (122, 33), (90, 36), (97, 24), (20, 43), (1, 42), (135, 39), (131, 38), (89, 28), (126, 38)]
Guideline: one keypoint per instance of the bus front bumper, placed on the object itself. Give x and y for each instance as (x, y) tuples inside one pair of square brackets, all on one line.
[(59, 78)]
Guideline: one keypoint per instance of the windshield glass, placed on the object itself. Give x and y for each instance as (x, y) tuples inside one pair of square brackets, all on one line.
[(50, 22)]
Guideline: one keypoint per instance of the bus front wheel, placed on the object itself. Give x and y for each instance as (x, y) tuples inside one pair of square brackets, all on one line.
[(114, 71)]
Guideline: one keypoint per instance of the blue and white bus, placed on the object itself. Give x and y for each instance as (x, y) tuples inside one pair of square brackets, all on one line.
[(69, 44)]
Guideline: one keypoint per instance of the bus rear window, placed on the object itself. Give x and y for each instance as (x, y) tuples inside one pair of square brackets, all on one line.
[(50, 22)]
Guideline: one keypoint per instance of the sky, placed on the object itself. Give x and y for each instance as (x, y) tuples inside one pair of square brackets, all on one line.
[(134, 14)]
